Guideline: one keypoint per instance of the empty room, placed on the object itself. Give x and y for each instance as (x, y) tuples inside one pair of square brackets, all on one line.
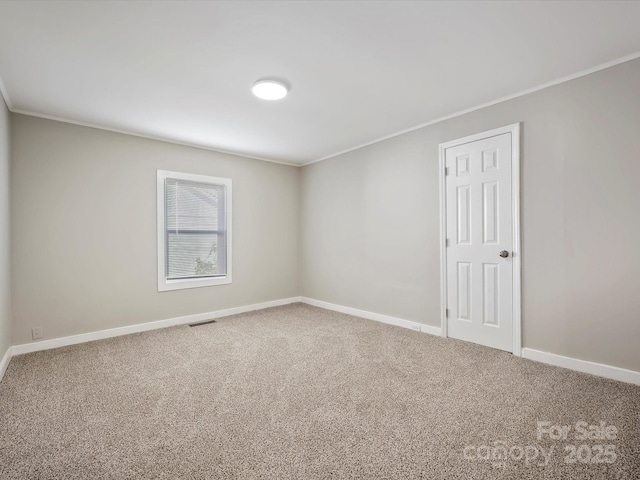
[(319, 240)]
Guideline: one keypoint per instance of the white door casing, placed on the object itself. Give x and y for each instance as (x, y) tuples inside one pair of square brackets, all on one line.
[(479, 198)]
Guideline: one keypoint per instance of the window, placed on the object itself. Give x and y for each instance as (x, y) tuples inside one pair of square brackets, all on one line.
[(194, 230)]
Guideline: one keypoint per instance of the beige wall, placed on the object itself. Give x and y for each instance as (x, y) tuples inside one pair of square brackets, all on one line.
[(359, 230), (5, 256), (370, 219), (84, 229)]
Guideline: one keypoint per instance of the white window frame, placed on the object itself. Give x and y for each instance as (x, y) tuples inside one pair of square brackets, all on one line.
[(163, 283)]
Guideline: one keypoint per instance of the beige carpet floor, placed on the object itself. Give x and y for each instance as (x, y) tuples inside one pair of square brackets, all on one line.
[(298, 392)]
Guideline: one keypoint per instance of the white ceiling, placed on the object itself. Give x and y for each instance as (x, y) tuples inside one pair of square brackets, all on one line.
[(359, 70)]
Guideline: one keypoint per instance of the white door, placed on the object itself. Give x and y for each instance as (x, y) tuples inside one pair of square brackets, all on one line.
[(480, 241)]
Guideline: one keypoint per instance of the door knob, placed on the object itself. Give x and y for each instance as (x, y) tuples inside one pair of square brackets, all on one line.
[(504, 254)]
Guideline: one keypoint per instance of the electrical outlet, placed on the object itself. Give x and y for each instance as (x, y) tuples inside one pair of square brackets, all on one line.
[(36, 333)]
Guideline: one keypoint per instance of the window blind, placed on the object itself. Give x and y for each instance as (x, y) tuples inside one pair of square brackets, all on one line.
[(195, 229)]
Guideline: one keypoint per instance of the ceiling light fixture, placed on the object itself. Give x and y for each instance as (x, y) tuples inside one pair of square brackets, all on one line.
[(270, 89)]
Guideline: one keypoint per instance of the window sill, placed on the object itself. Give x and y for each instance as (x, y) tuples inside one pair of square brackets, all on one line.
[(168, 285)]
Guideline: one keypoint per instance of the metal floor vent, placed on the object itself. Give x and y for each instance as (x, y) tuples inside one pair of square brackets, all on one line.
[(206, 322)]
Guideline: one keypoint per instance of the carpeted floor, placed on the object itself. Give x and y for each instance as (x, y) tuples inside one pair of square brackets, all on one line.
[(298, 392)]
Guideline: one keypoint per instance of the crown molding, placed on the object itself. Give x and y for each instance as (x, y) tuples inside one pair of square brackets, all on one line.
[(144, 135), (589, 71)]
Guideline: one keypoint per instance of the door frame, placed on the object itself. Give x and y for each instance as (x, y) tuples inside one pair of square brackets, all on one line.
[(514, 130)]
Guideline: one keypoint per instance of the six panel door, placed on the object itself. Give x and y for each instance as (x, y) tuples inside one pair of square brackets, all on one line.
[(479, 230)]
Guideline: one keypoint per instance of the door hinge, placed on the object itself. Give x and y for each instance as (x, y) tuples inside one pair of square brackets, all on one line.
[(446, 313), (446, 171), (446, 242)]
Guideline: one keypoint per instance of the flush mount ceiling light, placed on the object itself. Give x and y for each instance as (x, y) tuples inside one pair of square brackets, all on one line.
[(270, 89)]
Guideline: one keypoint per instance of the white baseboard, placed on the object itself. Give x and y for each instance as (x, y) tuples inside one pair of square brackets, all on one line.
[(4, 363), (399, 322), (599, 369), (257, 306), (143, 327)]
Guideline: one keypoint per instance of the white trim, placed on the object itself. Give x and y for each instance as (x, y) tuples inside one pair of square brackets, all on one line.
[(4, 363), (442, 182), (167, 285), (147, 136), (257, 306), (599, 369), (514, 130), (552, 83), (516, 255), (144, 327), (574, 76), (431, 330), (585, 366), (398, 322)]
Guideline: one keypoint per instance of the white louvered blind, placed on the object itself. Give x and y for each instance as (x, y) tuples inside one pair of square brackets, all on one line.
[(196, 233)]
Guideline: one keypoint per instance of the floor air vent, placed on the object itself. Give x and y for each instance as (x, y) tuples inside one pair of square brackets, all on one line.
[(199, 324)]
